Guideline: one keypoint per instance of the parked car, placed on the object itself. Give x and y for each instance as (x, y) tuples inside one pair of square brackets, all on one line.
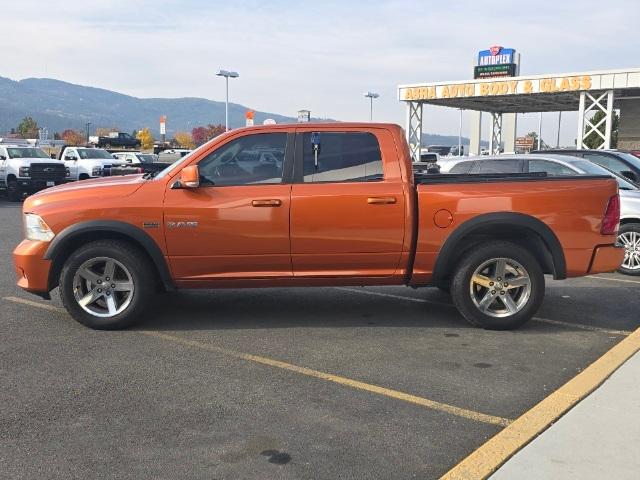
[(115, 140), (25, 170), (562, 165), (331, 204), (147, 162), (621, 162), (83, 163)]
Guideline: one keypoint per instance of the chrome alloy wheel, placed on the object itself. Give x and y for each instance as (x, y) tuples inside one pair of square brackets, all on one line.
[(500, 287), (631, 242), (103, 287)]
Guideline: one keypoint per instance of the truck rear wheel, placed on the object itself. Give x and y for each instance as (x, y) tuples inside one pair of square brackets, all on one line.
[(498, 286), (106, 284)]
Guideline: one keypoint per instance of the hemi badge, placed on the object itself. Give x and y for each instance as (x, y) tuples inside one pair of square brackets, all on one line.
[(151, 224)]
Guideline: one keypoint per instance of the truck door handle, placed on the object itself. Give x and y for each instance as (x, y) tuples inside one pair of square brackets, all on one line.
[(266, 203), (380, 200)]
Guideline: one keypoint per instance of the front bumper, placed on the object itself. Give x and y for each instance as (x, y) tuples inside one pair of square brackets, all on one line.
[(32, 270), (31, 186), (606, 258)]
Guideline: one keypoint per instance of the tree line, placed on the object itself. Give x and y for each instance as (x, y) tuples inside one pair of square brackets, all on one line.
[(28, 128)]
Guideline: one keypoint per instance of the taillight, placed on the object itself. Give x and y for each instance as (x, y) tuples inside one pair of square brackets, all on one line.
[(611, 217)]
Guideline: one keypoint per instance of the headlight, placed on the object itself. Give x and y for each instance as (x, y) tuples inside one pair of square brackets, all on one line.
[(35, 228), (96, 172), (23, 172)]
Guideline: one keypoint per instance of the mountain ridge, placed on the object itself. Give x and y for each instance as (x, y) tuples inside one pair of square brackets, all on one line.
[(59, 105)]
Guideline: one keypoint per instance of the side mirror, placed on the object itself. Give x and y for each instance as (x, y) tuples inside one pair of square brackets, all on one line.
[(70, 157), (189, 178), (630, 175), (2, 157)]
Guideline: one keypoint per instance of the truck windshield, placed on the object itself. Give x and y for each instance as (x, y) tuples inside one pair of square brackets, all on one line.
[(596, 169), (94, 153), (26, 153)]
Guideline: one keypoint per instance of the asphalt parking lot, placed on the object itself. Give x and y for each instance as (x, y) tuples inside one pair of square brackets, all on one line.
[(383, 382)]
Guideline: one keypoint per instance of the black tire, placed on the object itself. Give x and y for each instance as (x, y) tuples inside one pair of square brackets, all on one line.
[(462, 292), (107, 146), (141, 273), (83, 176), (13, 191), (629, 228)]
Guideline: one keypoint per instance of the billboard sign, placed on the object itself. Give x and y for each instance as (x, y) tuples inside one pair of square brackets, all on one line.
[(496, 55), (492, 71)]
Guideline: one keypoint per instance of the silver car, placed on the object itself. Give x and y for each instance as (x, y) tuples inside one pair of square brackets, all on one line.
[(558, 165)]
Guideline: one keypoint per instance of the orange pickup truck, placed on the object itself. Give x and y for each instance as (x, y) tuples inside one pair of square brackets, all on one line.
[(314, 205)]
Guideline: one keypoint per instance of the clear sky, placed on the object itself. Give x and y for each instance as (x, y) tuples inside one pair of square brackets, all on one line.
[(318, 55)]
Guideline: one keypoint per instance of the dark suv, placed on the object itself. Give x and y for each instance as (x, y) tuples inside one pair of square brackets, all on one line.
[(623, 163)]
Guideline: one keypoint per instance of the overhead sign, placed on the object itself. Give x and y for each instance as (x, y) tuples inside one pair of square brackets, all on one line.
[(163, 125), (493, 71), (496, 55), (249, 118), (497, 88)]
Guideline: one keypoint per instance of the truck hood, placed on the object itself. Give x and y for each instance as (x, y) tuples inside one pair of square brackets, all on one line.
[(25, 161), (117, 187)]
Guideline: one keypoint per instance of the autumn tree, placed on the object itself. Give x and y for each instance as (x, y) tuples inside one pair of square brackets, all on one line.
[(73, 137), (146, 138), (204, 134), (184, 139), (28, 128)]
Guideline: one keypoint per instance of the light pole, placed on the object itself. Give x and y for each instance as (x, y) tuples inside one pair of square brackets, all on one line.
[(371, 96), (88, 125), (227, 74)]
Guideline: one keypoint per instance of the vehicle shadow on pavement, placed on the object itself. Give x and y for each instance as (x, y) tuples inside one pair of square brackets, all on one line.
[(290, 308)]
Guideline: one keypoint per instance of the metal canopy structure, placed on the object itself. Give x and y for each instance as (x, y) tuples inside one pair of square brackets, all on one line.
[(584, 92)]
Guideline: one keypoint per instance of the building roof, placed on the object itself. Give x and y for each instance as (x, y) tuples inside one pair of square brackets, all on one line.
[(532, 93)]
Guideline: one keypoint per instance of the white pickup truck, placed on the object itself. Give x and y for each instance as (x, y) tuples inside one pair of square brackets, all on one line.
[(26, 169), (83, 162)]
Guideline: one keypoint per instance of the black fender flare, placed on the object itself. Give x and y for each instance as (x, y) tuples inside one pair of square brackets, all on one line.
[(65, 237), (449, 249)]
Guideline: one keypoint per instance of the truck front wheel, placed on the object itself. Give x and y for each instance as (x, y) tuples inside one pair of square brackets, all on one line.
[(498, 286), (106, 284), (13, 191)]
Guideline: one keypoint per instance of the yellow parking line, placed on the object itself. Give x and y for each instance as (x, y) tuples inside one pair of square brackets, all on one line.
[(613, 279), (387, 392), (44, 306), (490, 456), (580, 326)]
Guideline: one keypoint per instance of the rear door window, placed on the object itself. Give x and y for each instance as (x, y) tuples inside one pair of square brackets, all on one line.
[(550, 168), (340, 157), (497, 166)]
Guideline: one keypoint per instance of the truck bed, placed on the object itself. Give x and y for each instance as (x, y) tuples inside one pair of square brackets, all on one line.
[(571, 207)]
